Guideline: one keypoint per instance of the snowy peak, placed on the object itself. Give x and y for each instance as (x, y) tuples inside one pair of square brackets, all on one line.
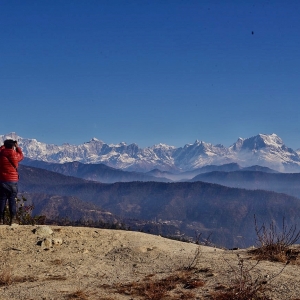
[(261, 141), (9, 136), (268, 151), (237, 145), (263, 150), (95, 140)]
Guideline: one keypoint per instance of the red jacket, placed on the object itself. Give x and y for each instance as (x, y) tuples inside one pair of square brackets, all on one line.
[(9, 161)]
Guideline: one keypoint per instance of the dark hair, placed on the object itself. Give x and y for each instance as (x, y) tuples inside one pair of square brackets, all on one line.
[(9, 144)]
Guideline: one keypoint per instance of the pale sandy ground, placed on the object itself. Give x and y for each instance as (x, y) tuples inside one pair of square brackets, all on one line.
[(94, 262)]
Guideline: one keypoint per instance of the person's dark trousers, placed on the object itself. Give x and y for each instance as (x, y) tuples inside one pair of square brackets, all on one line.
[(8, 191)]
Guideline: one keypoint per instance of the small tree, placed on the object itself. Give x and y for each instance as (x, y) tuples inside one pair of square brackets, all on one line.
[(24, 213)]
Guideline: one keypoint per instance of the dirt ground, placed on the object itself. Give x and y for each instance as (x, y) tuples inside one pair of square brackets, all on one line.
[(92, 263)]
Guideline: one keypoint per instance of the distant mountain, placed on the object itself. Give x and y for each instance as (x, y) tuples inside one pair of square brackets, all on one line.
[(210, 168), (164, 174), (105, 174), (189, 206), (287, 183), (263, 150), (96, 172), (258, 168), (188, 175)]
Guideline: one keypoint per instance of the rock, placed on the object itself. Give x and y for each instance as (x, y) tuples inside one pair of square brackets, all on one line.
[(46, 243), (57, 241), (43, 231)]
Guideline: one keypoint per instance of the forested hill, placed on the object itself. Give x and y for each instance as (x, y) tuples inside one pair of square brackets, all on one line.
[(193, 206)]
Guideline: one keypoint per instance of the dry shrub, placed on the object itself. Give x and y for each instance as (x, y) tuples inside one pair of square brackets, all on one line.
[(242, 286), (293, 256), (6, 277), (275, 245), (245, 283), (155, 289), (193, 262)]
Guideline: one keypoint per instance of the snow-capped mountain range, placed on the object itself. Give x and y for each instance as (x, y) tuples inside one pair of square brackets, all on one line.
[(264, 149)]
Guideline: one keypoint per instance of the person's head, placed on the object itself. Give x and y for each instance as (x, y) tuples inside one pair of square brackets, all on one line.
[(9, 144)]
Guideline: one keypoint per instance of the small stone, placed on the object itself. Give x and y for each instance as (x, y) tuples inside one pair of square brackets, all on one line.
[(57, 241)]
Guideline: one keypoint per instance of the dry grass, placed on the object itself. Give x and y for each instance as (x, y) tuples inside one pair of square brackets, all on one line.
[(246, 283), (79, 295), (57, 262), (289, 255), (19, 279), (56, 277), (7, 278), (232, 295), (155, 289)]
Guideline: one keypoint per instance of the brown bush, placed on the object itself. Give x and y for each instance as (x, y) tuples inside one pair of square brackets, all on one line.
[(274, 244)]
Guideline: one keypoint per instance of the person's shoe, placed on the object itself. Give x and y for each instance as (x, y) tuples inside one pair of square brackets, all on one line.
[(13, 221)]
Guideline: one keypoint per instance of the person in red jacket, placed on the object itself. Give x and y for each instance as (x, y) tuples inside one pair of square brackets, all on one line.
[(10, 156)]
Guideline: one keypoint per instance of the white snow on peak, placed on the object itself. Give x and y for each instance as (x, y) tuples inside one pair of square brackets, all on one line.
[(95, 140), (162, 146), (271, 139), (263, 149)]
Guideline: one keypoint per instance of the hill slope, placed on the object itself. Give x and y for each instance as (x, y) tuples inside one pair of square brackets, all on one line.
[(91, 263)]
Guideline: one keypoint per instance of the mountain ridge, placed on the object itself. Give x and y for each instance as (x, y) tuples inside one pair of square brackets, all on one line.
[(96, 172), (267, 150)]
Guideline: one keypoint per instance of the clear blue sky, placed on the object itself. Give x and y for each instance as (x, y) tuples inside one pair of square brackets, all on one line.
[(159, 71)]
